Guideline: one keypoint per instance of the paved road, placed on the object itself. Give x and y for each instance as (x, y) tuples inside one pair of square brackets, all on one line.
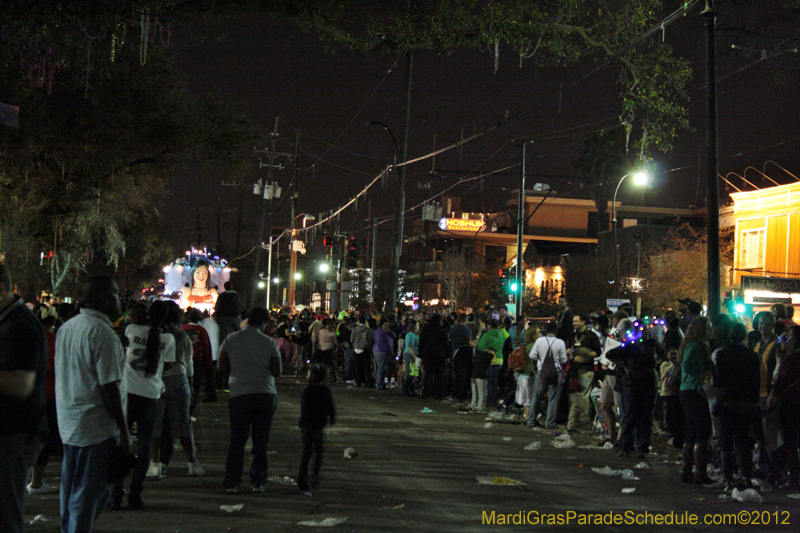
[(416, 472)]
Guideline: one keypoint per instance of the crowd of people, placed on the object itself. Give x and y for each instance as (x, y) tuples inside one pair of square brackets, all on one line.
[(721, 394), (101, 372)]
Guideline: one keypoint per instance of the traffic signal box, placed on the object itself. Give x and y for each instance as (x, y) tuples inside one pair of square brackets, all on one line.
[(352, 252), (508, 280)]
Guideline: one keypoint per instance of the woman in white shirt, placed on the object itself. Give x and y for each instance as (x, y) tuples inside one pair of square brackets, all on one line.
[(149, 347)]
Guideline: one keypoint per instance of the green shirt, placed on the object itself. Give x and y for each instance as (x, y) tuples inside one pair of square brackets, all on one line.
[(694, 365), (493, 339)]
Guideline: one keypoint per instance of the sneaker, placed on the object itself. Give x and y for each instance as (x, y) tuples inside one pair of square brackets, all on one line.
[(154, 470), (44, 488), (196, 470), (257, 489)]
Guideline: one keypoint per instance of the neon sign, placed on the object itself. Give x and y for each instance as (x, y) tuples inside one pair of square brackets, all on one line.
[(461, 224)]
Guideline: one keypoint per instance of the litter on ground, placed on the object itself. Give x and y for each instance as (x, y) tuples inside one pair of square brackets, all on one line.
[(283, 480), (497, 480), (231, 508), (328, 522), (748, 495)]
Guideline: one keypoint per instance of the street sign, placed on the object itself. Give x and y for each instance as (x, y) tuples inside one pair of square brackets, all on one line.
[(614, 303)]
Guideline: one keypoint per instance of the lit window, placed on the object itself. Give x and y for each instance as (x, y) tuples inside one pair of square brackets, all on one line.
[(752, 248)]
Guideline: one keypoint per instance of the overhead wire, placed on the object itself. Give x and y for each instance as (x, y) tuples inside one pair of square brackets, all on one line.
[(687, 6)]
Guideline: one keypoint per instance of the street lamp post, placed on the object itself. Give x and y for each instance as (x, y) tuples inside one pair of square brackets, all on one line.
[(400, 198), (639, 178)]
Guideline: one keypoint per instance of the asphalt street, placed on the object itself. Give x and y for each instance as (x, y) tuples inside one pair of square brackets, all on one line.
[(418, 471)]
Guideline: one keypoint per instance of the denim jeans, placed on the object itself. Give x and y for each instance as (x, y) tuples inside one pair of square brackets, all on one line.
[(553, 395), (249, 411), (348, 364), (382, 361), (18, 451), (491, 385), (85, 489)]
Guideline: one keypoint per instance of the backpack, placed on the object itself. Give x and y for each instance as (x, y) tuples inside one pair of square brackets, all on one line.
[(518, 360), (549, 370)]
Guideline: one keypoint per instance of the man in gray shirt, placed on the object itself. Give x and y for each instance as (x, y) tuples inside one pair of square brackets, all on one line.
[(254, 361)]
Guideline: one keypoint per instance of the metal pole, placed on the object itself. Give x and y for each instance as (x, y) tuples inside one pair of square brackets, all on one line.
[(520, 231), (614, 234), (269, 270), (712, 165), (372, 275), (400, 207), (295, 206), (274, 137)]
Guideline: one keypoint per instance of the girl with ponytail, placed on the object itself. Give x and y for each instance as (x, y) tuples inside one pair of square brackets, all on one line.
[(150, 347)]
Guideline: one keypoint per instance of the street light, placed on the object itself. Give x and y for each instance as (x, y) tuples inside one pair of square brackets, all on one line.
[(323, 267), (297, 276), (640, 179), (400, 199)]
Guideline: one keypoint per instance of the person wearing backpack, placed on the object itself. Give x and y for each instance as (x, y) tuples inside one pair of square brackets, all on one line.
[(550, 355)]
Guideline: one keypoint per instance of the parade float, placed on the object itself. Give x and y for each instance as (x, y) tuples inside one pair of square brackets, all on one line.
[(196, 279)]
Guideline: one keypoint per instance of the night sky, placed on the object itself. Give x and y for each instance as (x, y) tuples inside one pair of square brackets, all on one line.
[(329, 96)]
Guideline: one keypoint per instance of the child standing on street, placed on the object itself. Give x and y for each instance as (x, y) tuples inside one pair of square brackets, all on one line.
[(316, 407)]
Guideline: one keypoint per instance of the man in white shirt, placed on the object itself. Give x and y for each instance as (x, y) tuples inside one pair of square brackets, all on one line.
[(538, 353), (89, 398)]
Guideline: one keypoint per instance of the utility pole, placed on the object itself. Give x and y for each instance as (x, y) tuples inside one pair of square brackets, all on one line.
[(372, 275), (271, 190), (259, 245), (400, 206), (295, 208), (712, 164), (520, 292)]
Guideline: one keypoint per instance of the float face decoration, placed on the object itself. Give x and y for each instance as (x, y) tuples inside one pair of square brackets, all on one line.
[(461, 224), (196, 280)]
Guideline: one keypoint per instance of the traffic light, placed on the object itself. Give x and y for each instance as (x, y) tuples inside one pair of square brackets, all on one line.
[(327, 241), (512, 280), (352, 252), (504, 277)]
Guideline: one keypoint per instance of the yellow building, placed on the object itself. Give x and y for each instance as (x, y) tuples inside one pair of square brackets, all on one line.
[(767, 243)]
